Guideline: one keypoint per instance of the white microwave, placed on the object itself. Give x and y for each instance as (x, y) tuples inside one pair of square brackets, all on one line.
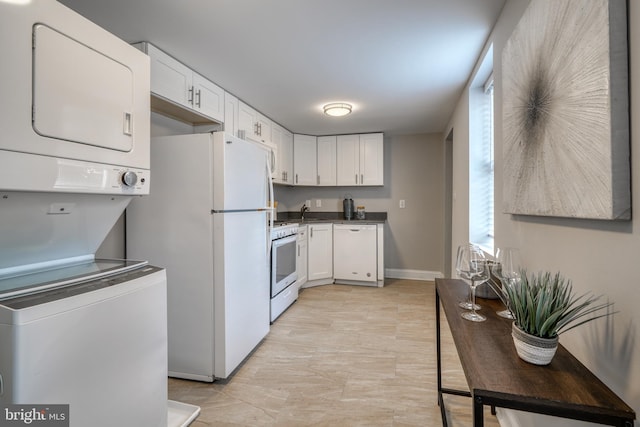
[(75, 106)]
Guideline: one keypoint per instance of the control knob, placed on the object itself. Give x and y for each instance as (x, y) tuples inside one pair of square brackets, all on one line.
[(129, 178)]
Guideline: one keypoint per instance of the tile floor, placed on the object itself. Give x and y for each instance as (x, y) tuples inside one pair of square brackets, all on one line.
[(341, 356)]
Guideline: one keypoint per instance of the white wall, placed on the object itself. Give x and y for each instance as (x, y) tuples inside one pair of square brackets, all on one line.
[(598, 256)]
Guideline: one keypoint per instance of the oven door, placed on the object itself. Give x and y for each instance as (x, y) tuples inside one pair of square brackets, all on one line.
[(283, 263)]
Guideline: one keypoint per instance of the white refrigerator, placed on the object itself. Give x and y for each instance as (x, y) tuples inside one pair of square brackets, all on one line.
[(205, 221)]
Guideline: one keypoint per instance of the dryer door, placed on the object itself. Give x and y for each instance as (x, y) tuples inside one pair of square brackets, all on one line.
[(80, 95)]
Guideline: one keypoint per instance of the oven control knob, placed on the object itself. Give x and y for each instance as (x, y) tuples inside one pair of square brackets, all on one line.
[(129, 178)]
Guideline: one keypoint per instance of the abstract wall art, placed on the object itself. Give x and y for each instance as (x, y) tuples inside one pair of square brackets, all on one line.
[(565, 104)]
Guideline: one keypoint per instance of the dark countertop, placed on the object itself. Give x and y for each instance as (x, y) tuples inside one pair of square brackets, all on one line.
[(330, 217)]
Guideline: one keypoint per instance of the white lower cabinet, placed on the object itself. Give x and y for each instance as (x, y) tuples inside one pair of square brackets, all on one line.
[(355, 252), (344, 253), (320, 252), (301, 256)]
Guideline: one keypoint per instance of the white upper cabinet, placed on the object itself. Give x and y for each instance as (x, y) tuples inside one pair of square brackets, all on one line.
[(360, 159), (208, 98), (304, 160), (372, 159), (256, 126), (326, 160), (181, 92), (348, 161), (231, 105), (283, 140)]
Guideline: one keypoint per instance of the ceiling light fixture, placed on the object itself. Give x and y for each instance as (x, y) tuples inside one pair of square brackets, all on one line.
[(337, 109)]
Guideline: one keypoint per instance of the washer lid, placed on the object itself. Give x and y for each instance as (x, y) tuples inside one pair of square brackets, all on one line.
[(64, 275)]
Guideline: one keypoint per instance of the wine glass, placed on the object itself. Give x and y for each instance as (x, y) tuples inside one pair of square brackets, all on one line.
[(507, 269), (468, 304), (472, 265)]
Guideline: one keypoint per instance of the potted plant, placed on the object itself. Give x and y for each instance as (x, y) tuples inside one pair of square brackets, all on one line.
[(544, 306)]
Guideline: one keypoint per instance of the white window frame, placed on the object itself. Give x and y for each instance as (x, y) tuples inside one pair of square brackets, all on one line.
[(481, 157)]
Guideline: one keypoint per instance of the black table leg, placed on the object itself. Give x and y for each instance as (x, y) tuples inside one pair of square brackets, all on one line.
[(478, 415)]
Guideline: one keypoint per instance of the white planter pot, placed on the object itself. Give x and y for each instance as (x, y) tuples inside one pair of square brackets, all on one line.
[(532, 349)]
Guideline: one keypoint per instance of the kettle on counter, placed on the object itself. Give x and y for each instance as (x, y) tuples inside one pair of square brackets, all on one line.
[(347, 207)]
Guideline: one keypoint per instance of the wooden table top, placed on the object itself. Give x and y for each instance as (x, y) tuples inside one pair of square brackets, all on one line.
[(495, 373)]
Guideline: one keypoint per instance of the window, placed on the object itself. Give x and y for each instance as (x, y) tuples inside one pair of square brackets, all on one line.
[(481, 157)]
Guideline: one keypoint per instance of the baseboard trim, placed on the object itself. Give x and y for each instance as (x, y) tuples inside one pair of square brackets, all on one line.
[(396, 273)]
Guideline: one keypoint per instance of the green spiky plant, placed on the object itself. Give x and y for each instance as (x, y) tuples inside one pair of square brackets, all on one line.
[(544, 305)]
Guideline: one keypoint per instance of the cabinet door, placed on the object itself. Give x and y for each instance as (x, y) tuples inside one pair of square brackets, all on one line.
[(276, 140), (371, 159), (230, 114), (263, 128), (320, 251), (355, 252), (348, 159), (247, 120), (301, 259), (286, 156), (326, 160), (304, 160), (170, 79), (208, 98)]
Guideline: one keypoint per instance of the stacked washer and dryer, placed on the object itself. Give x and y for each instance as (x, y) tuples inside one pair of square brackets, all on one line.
[(74, 150)]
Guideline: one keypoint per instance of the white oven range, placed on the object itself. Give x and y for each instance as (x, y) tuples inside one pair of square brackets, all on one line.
[(284, 290)]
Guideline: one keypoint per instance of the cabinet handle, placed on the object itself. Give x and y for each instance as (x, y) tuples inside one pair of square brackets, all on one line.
[(356, 178), (361, 179), (190, 100), (311, 235), (198, 98), (296, 178), (255, 128)]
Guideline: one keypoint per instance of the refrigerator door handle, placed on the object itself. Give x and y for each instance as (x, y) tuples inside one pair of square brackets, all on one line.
[(271, 197)]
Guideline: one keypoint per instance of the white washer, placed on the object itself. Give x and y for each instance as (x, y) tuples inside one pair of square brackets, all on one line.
[(99, 345)]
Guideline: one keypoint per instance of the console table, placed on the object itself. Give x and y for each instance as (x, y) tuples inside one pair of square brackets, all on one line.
[(497, 377)]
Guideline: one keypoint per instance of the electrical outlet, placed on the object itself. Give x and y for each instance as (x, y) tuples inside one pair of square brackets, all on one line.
[(318, 203), (308, 203), (402, 204)]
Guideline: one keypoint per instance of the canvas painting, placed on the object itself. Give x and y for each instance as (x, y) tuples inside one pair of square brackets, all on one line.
[(566, 111)]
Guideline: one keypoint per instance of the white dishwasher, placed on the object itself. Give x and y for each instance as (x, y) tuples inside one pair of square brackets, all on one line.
[(355, 253)]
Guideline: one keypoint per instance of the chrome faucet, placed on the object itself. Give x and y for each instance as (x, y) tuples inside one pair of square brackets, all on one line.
[(303, 209)]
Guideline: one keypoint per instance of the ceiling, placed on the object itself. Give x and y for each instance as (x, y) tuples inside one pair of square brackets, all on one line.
[(403, 63)]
